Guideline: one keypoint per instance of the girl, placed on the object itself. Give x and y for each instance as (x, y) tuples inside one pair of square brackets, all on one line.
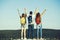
[(38, 23)]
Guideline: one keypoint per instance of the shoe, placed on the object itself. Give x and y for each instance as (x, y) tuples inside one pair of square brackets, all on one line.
[(25, 38), (41, 39), (21, 38)]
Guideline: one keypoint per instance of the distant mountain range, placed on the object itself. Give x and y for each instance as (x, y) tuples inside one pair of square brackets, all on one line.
[(47, 33)]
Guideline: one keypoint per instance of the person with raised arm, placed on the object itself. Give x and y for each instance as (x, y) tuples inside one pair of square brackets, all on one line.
[(38, 22), (22, 22)]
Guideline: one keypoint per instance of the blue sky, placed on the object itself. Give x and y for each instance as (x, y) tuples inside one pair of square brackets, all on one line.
[(9, 18)]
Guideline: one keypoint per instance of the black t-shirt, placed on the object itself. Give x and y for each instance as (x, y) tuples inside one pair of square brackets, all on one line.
[(30, 19)]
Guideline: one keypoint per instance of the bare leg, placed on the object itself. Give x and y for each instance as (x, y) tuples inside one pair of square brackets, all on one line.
[(22, 33)]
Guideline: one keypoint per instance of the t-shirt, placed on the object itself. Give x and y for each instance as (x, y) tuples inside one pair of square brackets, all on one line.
[(22, 20), (30, 19)]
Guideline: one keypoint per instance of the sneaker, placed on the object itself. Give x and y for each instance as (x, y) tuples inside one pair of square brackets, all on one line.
[(41, 39), (25, 38), (22, 38)]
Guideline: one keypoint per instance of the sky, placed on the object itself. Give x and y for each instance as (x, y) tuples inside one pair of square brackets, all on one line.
[(9, 19)]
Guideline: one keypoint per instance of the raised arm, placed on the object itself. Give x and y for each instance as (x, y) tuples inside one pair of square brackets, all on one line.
[(18, 12), (36, 10), (43, 12), (25, 11)]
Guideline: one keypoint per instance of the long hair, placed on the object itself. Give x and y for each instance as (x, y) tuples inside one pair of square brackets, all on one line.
[(23, 15), (38, 14), (31, 12)]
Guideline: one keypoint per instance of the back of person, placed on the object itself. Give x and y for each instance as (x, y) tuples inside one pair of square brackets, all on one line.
[(30, 19), (38, 18), (23, 20)]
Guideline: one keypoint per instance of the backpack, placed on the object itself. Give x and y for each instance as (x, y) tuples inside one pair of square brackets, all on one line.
[(23, 20), (29, 19), (38, 19)]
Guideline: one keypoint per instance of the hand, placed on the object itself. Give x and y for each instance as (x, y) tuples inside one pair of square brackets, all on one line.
[(36, 11), (25, 10)]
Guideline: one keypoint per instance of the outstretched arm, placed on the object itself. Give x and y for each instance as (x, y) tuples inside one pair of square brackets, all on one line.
[(36, 10), (18, 12), (43, 12), (25, 11)]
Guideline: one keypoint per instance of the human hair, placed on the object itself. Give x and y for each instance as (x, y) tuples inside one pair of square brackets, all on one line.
[(31, 12), (38, 14), (22, 14)]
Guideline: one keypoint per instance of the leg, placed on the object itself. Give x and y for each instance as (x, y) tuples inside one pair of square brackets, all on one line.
[(41, 30), (37, 30), (29, 30), (32, 31), (22, 33)]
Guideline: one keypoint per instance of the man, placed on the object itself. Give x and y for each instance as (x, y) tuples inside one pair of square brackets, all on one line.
[(30, 25)]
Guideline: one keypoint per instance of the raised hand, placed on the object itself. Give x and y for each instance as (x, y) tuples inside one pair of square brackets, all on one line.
[(25, 10), (36, 11), (18, 12)]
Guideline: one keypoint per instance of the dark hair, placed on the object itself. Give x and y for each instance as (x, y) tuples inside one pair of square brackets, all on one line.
[(31, 12), (23, 15), (38, 14)]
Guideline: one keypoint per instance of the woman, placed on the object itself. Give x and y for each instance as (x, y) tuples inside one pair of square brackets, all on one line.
[(39, 23), (23, 22)]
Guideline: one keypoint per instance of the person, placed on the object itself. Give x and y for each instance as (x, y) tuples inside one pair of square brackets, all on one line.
[(30, 25), (31, 21), (22, 22), (39, 23)]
